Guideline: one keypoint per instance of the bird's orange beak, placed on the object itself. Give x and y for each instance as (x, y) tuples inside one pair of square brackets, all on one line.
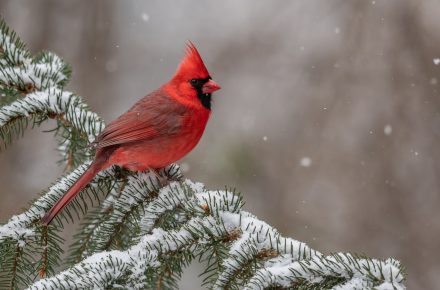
[(210, 87)]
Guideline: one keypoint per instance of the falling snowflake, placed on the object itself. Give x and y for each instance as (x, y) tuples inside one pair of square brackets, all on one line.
[(388, 129), (306, 162), (145, 17)]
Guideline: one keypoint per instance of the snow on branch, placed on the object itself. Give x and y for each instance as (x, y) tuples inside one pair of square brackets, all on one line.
[(22, 226), (19, 227), (19, 70), (37, 75), (12, 50), (356, 272), (211, 216), (32, 91), (136, 190), (54, 101)]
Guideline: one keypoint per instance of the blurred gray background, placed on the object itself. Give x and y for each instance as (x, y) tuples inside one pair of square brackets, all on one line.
[(328, 119)]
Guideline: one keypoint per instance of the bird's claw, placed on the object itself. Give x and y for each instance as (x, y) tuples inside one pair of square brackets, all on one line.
[(163, 180)]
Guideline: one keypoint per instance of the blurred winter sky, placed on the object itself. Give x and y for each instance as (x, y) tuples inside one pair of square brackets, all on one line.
[(328, 120)]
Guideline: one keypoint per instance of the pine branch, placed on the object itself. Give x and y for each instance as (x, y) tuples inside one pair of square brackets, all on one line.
[(31, 91), (12, 49), (22, 226), (278, 261), (52, 103), (131, 198)]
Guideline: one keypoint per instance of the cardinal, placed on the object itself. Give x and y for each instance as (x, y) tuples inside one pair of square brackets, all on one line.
[(158, 130)]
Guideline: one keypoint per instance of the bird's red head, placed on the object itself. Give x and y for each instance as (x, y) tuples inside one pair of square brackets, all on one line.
[(192, 83)]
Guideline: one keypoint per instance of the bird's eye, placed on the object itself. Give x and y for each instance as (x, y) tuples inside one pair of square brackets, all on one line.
[(193, 82)]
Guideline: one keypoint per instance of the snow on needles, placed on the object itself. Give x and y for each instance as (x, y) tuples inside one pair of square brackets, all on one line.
[(159, 206), (42, 80), (55, 101), (360, 273), (18, 69), (19, 226), (45, 76), (217, 215), (13, 54), (39, 75)]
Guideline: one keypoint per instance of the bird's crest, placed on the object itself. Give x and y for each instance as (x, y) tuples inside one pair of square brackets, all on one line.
[(192, 65)]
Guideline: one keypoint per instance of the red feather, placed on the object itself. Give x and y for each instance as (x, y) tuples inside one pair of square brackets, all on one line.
[(192, 64), (156, 116)]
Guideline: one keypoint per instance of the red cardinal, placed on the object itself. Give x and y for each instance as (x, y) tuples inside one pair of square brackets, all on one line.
[(158, 130)]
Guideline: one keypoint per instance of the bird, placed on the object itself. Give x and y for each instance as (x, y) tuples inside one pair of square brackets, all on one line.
[(156, 131)]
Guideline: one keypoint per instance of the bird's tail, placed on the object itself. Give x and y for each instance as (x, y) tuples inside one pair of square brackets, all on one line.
[(79, 185)]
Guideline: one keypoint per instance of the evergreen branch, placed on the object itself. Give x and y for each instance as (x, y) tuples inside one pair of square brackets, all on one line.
[(325, 272), (278, 261), (48, 250), (257, 242), (140, 187), (53, 102), (16, 264), (213, 256), (158, 207), (83, 239), (77, 125), (35, 241), (8, 95), (44, 259), (48, 71), (22, 226), (25, 74), (31, 92), (107, 225), (12, 49), (133, 262), (14, 275)]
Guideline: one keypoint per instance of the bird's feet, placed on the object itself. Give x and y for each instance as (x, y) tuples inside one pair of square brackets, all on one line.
[(173, 172), (161, 178), (167, 174)]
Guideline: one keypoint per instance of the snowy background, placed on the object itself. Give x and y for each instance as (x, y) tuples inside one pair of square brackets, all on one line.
[(328, 119)]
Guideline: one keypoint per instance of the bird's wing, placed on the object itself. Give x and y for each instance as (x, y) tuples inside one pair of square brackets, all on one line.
[(154, 116)]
